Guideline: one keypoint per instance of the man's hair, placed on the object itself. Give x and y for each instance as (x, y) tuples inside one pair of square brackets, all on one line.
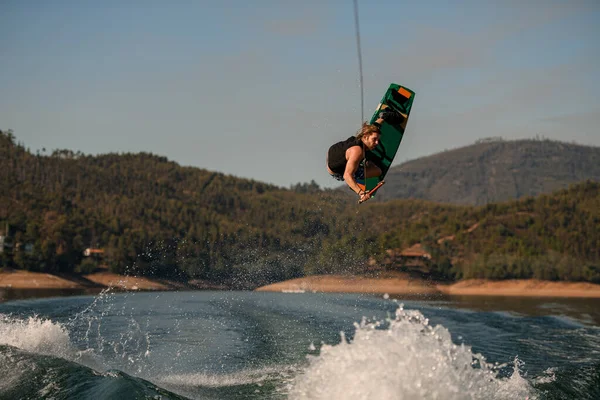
[(366, 130)]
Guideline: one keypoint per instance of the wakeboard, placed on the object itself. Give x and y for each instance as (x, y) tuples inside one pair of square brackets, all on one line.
[(399, 99)]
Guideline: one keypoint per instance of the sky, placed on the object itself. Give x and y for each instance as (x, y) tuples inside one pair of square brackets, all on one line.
[(261, 89)]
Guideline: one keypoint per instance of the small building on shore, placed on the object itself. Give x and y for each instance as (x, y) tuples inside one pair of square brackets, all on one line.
[(414, 256), (93, 252), (416, 251)]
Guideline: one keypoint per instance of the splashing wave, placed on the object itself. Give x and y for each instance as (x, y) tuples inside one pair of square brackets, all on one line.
[(404, 358)]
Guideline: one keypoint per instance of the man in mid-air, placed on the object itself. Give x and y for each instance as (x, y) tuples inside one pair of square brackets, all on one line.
[(344, 158)]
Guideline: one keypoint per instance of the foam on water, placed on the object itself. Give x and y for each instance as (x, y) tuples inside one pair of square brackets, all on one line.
[(245, 377), (36, 335), (409, 359)]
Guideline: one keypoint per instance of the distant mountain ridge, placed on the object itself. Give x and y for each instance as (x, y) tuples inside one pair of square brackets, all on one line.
[(493, 170)]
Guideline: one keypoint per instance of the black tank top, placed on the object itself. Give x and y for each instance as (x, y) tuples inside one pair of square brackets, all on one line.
[(336, 157)]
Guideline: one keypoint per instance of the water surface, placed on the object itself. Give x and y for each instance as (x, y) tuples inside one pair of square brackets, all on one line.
[(240, 345)]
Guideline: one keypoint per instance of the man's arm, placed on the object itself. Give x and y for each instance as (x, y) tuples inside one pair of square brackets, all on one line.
[(355, 156)]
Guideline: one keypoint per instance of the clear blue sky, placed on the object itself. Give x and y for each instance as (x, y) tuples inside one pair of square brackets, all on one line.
[(260, 89)]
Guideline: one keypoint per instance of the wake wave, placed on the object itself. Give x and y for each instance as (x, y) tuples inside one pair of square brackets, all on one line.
[(408, 360), (36, 335), (38, 360), (401, 358)]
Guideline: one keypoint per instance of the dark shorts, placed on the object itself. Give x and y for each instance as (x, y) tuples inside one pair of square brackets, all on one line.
[(359, 175)]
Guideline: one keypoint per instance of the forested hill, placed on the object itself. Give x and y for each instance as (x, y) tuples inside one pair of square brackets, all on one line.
[(153, 217), (493, 170)]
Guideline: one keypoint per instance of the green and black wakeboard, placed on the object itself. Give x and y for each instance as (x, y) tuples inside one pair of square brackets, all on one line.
[(399, 99)]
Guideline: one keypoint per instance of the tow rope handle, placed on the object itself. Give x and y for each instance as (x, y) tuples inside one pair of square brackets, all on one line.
[(372, 192)]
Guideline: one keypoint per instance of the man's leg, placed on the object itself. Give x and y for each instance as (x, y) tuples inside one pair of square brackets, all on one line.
[(373, 170)]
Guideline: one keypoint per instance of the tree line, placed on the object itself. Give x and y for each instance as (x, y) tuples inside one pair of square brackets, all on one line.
[(153, 217)]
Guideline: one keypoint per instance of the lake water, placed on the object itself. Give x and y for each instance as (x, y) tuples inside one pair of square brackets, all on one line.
[(258, 345)]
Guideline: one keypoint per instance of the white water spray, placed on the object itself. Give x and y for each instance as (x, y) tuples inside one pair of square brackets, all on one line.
[(408, 360), (36, 335)]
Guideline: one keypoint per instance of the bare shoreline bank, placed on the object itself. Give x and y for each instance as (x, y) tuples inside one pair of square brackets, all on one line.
[(399, 285), (392, 284), (99, 280)]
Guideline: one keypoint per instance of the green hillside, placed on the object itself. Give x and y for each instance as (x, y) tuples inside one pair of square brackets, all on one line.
[(153, 217), (493, 170)]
